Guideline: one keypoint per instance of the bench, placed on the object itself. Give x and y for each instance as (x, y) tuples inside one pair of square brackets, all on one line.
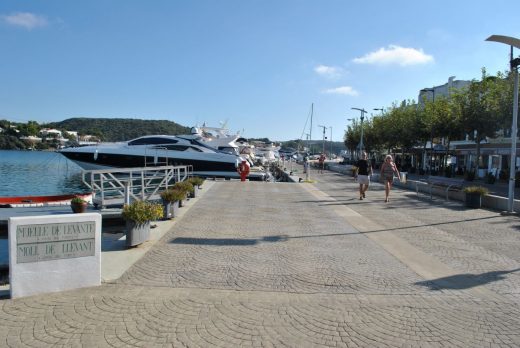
[(449, 184)]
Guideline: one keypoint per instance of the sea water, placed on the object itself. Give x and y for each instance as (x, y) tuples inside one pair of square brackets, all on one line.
[(38, 173)]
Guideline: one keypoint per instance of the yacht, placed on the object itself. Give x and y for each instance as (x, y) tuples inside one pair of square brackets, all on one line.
[(222, 139), (160, 150)]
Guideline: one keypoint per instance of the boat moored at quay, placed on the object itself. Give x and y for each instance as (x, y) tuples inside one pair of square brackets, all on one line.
[(160, 150)]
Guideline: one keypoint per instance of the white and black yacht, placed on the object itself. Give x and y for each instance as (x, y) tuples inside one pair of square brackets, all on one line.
[(160, 150)]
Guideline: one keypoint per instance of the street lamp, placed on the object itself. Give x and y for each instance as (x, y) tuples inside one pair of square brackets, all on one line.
[(350, 120), (382, 110), (363, 112), (330, 141), (431, 128), (513, 42), (323, 137)]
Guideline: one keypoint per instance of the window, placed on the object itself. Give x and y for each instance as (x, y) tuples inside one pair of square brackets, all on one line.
[(152, 141)]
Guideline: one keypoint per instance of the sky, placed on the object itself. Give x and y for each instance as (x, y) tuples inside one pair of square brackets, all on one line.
[(257, 65)]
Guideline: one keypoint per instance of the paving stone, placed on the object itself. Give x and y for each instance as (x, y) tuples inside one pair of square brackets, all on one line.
[(272, 265)]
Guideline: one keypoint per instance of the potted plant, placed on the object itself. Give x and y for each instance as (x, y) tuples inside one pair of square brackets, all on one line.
[(474, 196), (138, 215), (78, 205), (171, 199), (185, 186), (196, 182)]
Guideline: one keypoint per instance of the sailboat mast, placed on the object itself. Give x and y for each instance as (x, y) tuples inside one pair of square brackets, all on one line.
[(310, 131)]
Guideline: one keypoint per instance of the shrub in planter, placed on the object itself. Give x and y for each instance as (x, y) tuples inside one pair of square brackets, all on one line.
[(78, 205), (185, 186), (138, 215), (142, 211), (196, 181), (171, 199), (474, 196)]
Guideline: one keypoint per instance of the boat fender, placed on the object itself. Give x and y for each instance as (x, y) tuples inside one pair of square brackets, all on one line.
[(243, 170)]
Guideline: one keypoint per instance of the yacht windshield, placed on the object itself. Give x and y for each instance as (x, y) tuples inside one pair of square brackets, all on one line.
[(178, 148), (228, 149), (152, 141)]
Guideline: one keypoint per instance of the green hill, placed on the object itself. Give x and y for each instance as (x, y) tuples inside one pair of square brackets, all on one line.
[(119, 129)]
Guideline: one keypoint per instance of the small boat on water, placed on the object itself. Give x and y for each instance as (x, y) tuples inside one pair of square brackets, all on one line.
[(41, 201)]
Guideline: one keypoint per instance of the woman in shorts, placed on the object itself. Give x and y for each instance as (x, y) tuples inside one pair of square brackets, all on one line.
[(388, 169)]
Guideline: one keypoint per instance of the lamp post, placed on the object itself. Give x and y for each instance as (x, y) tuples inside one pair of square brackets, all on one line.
[(350, 120), (431, 128), (363, 112), (324, 128), (382, 110), (513, 42), (330, 141)]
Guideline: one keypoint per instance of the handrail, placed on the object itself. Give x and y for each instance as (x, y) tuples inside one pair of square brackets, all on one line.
[(119, 186)]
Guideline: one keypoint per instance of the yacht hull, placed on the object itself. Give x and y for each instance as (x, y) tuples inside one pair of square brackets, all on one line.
[(213, 165)]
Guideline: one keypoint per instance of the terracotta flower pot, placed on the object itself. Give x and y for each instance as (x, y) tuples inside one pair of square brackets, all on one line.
[(79, 207)]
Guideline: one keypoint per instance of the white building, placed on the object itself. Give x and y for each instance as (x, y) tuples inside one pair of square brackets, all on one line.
[(441, 91), (49, 132)]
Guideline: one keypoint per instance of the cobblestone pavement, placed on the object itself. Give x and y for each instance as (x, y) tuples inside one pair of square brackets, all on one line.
[(299, 265)]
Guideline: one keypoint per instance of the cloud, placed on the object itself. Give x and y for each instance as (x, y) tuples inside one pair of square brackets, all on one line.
[(25, 20), (343, 90), (402, 56), (328, 71)]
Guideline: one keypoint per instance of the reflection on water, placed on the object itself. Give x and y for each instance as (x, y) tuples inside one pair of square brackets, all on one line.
[(34, 173)]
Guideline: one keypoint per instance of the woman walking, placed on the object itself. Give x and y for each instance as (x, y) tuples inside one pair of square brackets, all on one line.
[(363, 172), (388, 169)]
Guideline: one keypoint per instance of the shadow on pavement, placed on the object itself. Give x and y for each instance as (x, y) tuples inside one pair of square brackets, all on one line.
[(228, 241), (465, 280)]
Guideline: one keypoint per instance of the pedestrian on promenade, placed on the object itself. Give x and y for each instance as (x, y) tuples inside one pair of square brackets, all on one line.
[(388, 169), (321, 162), (363, 170)]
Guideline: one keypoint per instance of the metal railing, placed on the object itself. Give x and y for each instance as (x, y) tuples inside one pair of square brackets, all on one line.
[(115, 187)]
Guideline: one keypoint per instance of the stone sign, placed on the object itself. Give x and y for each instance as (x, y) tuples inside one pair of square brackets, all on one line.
[(55, 241), (54, 253)]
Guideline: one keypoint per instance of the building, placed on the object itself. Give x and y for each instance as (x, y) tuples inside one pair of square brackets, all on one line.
[(495, 154)]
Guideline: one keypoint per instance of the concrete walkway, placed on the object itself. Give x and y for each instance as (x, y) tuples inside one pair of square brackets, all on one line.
[(299, 265)]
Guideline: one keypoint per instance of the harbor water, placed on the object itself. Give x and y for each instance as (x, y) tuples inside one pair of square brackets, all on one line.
[(38, 173)]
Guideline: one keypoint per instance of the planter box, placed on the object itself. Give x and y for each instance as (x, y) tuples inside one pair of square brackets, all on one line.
[(137, 233), (171, 209), (473, 200), (194, 193)]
